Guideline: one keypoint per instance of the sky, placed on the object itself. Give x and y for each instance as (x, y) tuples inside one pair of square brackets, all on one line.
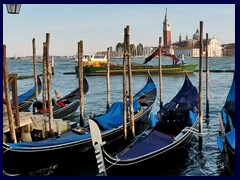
[(100, 26)]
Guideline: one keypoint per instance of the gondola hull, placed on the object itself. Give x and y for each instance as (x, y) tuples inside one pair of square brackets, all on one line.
[(172, 129), (226, 138), (26, 160), (70, 101), (24, 157), (67, 111)]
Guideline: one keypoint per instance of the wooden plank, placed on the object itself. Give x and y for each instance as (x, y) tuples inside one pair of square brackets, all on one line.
[(58, 126), (24, 117)]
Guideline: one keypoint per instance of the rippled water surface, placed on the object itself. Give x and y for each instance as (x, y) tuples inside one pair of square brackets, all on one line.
[(189, 163)]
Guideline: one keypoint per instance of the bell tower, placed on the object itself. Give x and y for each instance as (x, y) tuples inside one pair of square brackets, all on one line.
[(166, 31)]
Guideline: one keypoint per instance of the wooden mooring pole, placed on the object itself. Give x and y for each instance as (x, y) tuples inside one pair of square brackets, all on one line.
[(44, 92), (108, 78), (130, 81), (7, 97), (124, 90), (50, 106), (200, 87), (80, 77), (160, 71), (53, 70), (207, 77), (44, 80), (35, 68)]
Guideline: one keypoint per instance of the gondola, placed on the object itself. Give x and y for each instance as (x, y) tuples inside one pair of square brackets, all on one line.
[(23, 157), (226, 137), (172, 129), (26, 99), (65, 107)]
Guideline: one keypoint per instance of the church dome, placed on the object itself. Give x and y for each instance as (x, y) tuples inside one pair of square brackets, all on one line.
[(196, 35)]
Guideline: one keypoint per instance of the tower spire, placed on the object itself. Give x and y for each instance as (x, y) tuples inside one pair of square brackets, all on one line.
[(165, 15), (166, 31)]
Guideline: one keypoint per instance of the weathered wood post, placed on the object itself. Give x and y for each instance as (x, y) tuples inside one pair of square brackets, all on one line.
[(108, 78), (44, 92), (50, 106), (7, 97), (80, 77), (44, 80), (53, 71), (207, 77), (160, 71), (35, 68), (130, 81), (124, 90), (200, 87)]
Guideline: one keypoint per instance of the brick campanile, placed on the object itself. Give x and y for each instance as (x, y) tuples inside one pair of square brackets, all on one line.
[(166, 31)]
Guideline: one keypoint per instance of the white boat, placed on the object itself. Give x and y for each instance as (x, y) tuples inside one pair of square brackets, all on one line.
[(94, 58)]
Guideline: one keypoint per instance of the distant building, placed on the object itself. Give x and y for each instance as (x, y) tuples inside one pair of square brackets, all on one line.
[(166, 32), (229, 49), (190, 47)]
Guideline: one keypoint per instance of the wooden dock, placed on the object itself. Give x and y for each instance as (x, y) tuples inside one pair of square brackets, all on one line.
[(29, 122)]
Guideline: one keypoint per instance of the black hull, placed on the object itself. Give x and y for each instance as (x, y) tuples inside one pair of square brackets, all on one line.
[(169, 164), (25, 106), (34, 158), (66, 111), (229, 158), (146, 165), (21, 162)]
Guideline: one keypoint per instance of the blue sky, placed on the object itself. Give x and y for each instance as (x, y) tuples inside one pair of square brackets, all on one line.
[(100, 26)]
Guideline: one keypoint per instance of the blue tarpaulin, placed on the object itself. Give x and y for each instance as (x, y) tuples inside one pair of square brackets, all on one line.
[(114, 116)]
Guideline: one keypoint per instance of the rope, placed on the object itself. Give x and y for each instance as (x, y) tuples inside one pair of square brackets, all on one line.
[(192, 130)]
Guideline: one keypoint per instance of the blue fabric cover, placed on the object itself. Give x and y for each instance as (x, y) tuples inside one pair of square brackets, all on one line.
[(231, 138), (154, 141), (114, 116), (148, 87), (220, 143), (192, 117), (68, 137), (153, 120)]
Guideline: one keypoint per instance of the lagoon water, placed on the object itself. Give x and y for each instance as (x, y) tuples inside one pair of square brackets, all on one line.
[(186, 164)]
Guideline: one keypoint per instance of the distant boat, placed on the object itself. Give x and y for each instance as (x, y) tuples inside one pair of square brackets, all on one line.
[(137, 68), (98, 67), (93, 59)]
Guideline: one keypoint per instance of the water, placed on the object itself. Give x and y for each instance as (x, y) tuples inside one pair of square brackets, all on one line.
[(211, 164)]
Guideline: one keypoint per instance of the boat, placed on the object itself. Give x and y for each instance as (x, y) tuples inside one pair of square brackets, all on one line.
[(137, 68), (64, 107), (93, 60), (226, 137), (26, 99), (22, 157), (172, 129), (100, 68)]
